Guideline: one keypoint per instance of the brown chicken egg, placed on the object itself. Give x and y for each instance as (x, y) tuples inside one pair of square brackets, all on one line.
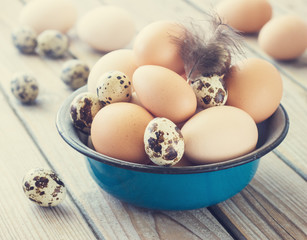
[(246, 16), (118, 131), (106, 28), (119, 60), (255, 86), (155, 45), (219, 133), (284, 37), (164, 93), (43, 15)]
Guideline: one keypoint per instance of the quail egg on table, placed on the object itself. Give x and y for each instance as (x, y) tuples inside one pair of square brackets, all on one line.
[(44, 187), (114, 86), (52, 43), (210, 91), (24, 87), (75, 73), (163, 142), (83, 108), (24, 39)]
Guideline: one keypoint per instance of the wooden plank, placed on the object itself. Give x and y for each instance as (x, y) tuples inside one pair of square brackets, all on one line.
[(20, 218), (294, 148), (283, 7), (107, 216), (273, 205)]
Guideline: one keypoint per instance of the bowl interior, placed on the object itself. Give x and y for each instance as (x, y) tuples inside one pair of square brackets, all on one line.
[(271, 133)]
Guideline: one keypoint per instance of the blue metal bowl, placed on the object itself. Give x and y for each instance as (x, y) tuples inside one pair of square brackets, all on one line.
[(174, 188)]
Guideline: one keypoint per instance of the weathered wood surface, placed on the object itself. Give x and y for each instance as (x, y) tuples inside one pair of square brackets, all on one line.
[(273, 206)]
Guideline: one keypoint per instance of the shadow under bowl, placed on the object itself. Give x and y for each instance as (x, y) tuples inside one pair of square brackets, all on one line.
[(173, 188)]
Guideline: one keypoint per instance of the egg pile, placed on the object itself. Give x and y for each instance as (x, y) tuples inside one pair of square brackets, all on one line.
[(150, 112), (142, 104)]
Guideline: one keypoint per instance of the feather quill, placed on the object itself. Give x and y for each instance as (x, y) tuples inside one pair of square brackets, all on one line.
[(208, 52)]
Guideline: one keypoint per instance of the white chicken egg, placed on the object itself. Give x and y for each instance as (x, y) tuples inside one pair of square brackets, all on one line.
[(163, 142), (106, 28), (114, 86), (44, 187), (210, 91)]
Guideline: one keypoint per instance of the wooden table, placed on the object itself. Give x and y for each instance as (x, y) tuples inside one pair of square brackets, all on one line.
[(272, 206)]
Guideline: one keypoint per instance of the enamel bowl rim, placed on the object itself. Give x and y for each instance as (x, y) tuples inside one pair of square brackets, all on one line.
[(70, 135)]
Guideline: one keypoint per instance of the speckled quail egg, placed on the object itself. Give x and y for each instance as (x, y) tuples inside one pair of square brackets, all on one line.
[(83, 109), (114, 86), (163, 142), (52, 44), (24, 87), (44, 187), (24, 39), (209, 91), (75, 73)]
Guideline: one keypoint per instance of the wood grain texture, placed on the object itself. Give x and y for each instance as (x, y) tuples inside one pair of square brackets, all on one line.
[(19, 217), (109, 218), (271, 207)]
